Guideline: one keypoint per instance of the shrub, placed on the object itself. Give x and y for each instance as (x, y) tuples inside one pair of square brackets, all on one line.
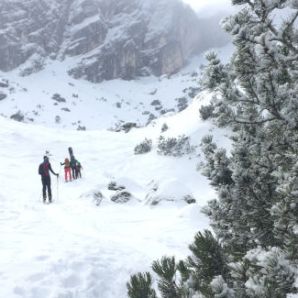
[(143, 147), (206, 112), (164, 127), (175, 146)]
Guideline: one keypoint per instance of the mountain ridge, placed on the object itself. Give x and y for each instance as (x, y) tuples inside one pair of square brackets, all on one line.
[(110, 39)]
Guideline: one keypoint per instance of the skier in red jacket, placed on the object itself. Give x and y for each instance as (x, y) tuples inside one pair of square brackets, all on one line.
[(67, 169)]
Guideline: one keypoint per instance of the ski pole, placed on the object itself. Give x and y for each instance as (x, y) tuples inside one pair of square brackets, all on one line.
[(57, 188)]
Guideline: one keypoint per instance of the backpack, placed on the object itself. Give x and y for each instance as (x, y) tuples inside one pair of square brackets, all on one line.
[(73, 162), (43, 169), (40, 169)]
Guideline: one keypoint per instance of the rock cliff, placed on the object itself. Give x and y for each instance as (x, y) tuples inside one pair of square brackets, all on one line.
[(102, 39)]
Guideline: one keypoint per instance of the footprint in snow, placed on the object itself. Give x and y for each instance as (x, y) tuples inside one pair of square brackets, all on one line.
[(71, 281), (36, 277), (39, 292), (19, 291), (42, 258)]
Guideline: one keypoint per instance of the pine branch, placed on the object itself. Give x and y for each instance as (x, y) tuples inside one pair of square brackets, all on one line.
[(140, 286)]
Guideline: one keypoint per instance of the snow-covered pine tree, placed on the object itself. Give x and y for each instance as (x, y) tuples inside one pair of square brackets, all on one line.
[(255, 216), (201, 275), (256, 96)]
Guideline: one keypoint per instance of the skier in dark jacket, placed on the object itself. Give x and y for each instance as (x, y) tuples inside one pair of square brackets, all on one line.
[(44, 170)]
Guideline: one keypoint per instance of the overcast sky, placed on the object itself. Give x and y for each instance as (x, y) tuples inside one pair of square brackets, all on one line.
[(210, 6)]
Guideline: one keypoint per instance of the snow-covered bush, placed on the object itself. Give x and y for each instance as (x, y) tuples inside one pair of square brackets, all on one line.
[(80, 127), (57, 97), (192, 92), (57, 119), (143, 147), (189, 199), (182, 103), (175, 146), (126, 126), (206, 112), (164, 127)]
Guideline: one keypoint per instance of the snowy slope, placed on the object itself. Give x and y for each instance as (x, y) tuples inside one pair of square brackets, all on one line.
[(82, 246), (74, 248), (105, 104), (82, 104)]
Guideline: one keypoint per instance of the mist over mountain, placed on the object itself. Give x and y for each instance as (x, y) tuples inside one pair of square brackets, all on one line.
[(103, 39)]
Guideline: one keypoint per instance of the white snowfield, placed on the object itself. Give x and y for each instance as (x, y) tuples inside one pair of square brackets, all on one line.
[(82, 246), (73, 248)]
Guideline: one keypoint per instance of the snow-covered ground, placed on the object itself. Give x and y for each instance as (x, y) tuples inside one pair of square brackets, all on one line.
[(54, 99), (74, 248), (79, 246)]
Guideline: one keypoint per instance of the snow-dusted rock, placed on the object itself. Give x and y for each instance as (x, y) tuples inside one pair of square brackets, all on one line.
[(2, 95), (109, 38), (4, 83), (121, 197), (170, 190), (96, 195)]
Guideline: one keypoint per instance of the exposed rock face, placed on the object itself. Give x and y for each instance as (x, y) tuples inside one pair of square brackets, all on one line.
[(2, 95), (108, 38)]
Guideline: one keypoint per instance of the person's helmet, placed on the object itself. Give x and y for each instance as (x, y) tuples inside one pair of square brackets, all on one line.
[(45, 158)]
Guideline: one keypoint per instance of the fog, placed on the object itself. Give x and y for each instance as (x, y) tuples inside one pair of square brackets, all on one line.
[(207, 8), (210, 13)]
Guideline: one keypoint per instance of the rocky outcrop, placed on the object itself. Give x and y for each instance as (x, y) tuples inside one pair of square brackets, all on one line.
[(108, 38)]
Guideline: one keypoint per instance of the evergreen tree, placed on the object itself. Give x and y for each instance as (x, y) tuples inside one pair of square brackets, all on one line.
[(191, 278), (255, 95), (255, 215)]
